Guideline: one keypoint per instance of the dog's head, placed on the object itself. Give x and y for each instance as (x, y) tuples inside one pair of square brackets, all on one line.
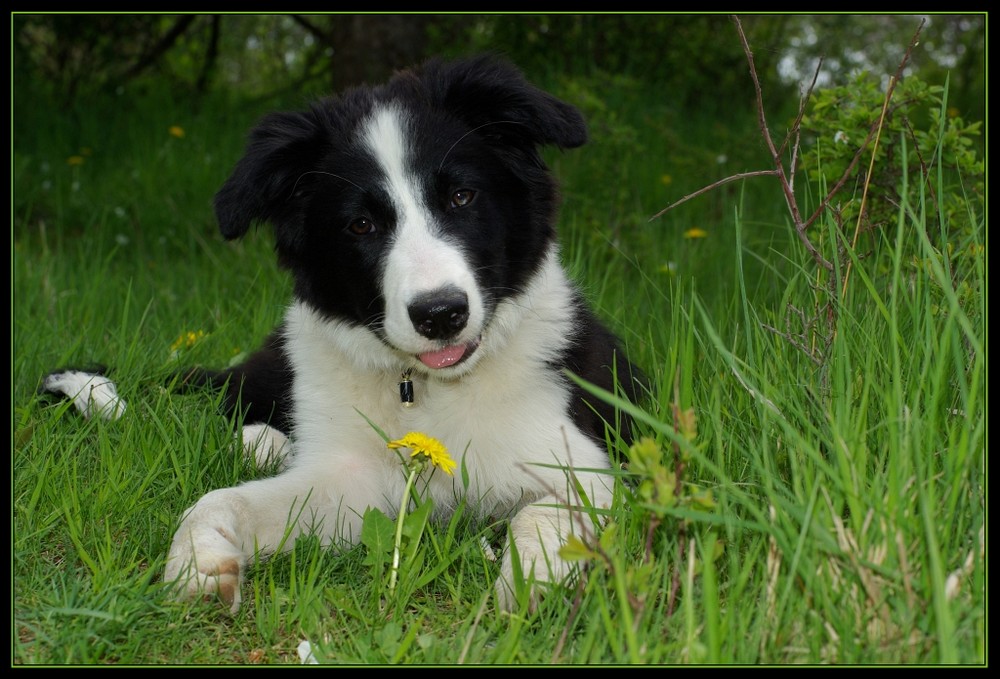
[(410, 210)]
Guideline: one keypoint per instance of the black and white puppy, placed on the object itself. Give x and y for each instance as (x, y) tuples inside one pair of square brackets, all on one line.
[(418, 222)]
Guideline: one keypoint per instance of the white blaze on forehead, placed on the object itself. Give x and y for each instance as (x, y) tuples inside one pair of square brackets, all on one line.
[(385, 137), (419, 259)]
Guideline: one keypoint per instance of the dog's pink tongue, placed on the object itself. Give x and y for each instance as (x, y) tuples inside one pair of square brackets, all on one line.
[(444, 357)]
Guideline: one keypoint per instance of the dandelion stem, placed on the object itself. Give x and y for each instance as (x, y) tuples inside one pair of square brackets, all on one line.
[(414, 470)]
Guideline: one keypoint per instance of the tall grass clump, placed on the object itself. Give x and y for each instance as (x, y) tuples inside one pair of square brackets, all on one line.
[(809, 480), (822, 453)]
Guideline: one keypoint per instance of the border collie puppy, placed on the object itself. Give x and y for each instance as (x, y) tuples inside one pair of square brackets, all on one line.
[(417, 220)]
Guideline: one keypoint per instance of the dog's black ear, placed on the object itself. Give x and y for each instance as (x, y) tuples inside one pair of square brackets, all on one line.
[(490, 91), (265, 182)]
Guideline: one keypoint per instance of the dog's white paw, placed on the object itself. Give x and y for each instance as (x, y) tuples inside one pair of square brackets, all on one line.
[(204, 562), (537, 534), (93, 394), (265, 445), (540, 574)]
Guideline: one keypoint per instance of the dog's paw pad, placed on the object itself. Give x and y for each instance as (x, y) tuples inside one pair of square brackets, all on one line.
[(222, 582), (229, 583), (205, 564)]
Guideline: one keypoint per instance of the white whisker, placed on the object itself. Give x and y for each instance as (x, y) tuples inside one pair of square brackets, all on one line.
[(474, 129), (329, 174)]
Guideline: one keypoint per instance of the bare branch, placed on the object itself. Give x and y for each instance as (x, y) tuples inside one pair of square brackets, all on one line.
[(793, 166), (924, 171), (795, 343), (803, 102), (715, 185), (793, 206), (795, 129)]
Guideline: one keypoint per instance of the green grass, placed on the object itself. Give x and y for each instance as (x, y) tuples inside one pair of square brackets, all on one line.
[(843, 495)]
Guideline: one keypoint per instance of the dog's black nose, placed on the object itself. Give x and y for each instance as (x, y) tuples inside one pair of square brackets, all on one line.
[(439, 314)]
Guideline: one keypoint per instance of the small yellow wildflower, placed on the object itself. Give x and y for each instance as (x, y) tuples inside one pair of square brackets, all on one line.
[(666, 180), (75, 160), (953, 112), (186, 340), (176, 131), (431, 448), (696, 233)]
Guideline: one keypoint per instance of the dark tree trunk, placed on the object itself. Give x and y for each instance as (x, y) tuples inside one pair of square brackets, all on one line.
[(370, 47), (211, 56)]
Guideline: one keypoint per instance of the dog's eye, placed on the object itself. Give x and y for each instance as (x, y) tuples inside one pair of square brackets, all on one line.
[(462, 197), (361, 227)]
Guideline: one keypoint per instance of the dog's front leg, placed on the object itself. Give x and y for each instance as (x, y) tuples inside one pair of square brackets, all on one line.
[(225, 528)]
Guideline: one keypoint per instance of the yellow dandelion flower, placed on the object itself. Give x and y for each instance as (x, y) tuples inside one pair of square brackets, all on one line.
[(176, 131), (431, 448), (74, 160), (696, 233), (666, 180)]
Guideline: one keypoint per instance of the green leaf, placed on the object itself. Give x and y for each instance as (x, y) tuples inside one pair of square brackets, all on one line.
[(575, 550), (377, 532), (416, 521), (609, 537), (703, 499)]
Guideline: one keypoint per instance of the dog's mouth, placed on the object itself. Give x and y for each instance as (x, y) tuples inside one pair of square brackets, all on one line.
[(450, 355)]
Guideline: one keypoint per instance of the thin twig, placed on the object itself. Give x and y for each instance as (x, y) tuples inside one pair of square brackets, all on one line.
[(654, 523), (797, 123), (800, 341), (848, 173), (924, 172), (796, 128), (715, 185), (795, 343), (790, 201), (881, 121), (675, 579), (868, 182), (793, 165)]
